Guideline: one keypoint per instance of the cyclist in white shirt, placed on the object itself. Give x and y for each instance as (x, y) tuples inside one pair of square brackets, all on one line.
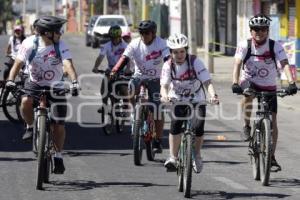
[(184, 77), (12, 49), (259, 56), (148, 53), (113, 50), (46, 58)]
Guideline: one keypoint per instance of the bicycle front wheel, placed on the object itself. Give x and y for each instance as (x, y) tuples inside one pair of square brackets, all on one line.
[(41, 152), (254, 155), (11, 107), (265, 151), (137, 136), (108, 118), (187, 178)]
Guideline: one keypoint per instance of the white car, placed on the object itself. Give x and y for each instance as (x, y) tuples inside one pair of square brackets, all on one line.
[(102, 25)]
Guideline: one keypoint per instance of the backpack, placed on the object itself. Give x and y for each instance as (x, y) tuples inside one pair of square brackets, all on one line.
[(35, 48), (249, 54)]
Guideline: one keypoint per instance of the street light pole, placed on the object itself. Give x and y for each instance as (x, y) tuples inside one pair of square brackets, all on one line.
[(104, 7), (53, 7), (37, 8), (24, 8), (208, 32), (190, 8)]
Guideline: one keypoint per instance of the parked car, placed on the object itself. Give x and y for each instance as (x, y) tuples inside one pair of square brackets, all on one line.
[(102, 25), (89, 30)]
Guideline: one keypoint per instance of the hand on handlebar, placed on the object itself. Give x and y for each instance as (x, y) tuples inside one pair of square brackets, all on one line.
[(292, 89), (214, 100), (10, 85), (74, 88)]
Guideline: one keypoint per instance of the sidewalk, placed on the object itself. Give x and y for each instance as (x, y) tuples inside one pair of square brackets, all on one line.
[(223, 67)]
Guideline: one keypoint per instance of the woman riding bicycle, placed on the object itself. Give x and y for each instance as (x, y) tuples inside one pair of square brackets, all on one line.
[(183, 76), (12, 49)]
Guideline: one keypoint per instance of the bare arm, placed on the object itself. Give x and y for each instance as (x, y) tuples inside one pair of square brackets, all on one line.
[(286, 69), (210, 88), (8, 50), (15, 69), (70, 69), (236, 70), (98, 62), (164, 89)]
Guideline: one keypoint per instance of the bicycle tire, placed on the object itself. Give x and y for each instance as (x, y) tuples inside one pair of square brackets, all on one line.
[(255, 156), (41, 152), (11, 107), (187, 178), (149, 151), (108, 127), (137, 136), (35, 138), (180, 171), (120, 120), (265, 151)]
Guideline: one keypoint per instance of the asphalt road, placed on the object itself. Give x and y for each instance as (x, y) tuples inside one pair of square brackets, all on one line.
[(101, 167)]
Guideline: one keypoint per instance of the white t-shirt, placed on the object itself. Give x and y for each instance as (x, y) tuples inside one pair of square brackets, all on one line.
[(112, 52), (45, 68), (178, 87), (148, 59), (14, 47), (260, 70)]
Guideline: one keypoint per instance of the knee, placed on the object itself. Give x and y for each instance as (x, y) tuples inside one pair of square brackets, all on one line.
[(27, 102)]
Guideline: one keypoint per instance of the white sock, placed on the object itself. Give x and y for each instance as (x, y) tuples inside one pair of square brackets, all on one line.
[(29, 126), (58, 155)]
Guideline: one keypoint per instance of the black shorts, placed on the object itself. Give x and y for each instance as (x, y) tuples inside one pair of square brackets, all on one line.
[(58, 104), (197, 123)]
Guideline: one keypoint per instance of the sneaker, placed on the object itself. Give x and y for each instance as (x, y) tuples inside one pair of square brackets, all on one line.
[(59, 167), (171, 164), (28, 134), (246, 133), (198, 165), (275, 167), (157, 147)]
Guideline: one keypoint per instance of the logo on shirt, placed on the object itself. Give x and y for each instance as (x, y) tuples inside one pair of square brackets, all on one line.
[(153, 55), (263, 72), (187, 74)]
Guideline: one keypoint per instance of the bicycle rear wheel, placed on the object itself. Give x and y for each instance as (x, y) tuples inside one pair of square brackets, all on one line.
[(108, 118), (187, 178), (254, 155), (265, 151), (11, 106), (137, 136), (41, 152)]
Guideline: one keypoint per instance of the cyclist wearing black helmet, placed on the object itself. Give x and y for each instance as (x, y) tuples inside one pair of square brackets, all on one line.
[(46, 58), (113, 50), (257, 57), (148, 53)]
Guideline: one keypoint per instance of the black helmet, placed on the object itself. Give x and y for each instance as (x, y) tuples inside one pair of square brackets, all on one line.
[(147, 25), (49, 23), (115, 31)]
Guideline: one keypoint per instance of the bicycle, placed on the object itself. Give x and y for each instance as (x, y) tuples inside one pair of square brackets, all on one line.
[(260, 144), (11, 100), (42, 142), (115, 105)]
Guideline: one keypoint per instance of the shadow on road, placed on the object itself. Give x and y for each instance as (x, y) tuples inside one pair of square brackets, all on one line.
[(77, 185), (218, 195), (285, 183)]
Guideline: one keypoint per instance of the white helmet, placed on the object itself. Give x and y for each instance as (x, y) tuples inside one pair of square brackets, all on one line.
[(259, 20), (177, 41)]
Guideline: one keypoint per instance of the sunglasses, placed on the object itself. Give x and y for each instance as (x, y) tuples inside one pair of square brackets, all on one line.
[(145, 32), (257, 29)]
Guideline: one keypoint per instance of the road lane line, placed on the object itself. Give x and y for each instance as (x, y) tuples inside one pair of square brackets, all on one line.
[(231, 183)]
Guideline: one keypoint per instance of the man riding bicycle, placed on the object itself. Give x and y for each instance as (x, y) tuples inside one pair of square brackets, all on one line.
[(258, 56), (46, 58), (185, 75), (113, 50), (148, 52)]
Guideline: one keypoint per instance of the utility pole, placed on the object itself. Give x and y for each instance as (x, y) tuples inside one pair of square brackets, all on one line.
[(208, 34), (54, 7), (190, 10), (37, 8), (145, 10), (92, 7), (24, 8), (104, 7), (131, 11), (120, 7)]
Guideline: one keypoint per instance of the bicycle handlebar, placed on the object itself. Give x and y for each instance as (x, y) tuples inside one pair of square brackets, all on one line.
[(280, 93)]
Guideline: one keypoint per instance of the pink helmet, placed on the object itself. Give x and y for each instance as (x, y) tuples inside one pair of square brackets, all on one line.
[(18, 28), (126, 34)]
